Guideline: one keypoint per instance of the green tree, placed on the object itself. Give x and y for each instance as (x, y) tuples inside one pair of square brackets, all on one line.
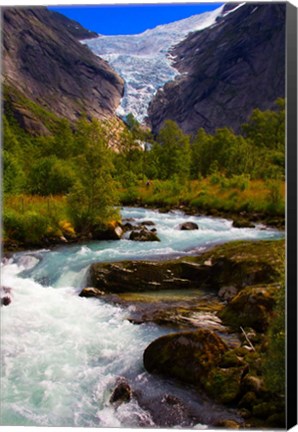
[(201, 154), (50, 176), (174, 154), (13, 175), (92, 197)]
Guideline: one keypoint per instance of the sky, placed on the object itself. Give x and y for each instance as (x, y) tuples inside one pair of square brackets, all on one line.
[(130, 19)]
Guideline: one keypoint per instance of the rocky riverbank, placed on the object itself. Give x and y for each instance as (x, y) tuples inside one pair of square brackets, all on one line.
[(220, 334)]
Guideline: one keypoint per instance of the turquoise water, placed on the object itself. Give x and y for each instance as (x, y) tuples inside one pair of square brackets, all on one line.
[(61, 354)]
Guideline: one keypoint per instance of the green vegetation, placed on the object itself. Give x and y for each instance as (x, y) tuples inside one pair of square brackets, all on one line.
[(223, 172)]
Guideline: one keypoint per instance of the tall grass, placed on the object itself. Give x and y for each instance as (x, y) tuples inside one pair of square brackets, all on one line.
[(217, 192)]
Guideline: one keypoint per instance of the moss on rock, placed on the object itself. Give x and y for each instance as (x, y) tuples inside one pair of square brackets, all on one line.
[(187, 356), (251, 307)]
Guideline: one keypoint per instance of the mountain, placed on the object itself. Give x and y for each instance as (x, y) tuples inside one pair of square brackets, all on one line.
[(226, 70), (43, 61), (143, 60)]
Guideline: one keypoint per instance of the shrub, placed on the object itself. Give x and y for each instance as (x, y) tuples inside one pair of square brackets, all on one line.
[(50, 175), (29, 228)]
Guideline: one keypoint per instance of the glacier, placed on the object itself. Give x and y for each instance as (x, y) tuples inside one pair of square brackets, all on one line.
[(144, 60)]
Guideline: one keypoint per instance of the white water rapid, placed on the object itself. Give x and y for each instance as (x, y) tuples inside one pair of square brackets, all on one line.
[(61, 354)]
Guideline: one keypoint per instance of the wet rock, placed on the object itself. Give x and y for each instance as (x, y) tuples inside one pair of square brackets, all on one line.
[(128, 226), (6, 296), (228, 424), (237, 264), (227, 292), (174, 409), (188, 226), (147, 223), (243, 223), (143, 235), (122, 392), (5, 301), (251, 307), (111, 233), (91, 292), (136, 276), (187, 356)]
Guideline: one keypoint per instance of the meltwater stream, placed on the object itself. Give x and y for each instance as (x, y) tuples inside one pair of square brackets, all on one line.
[(61, 354)]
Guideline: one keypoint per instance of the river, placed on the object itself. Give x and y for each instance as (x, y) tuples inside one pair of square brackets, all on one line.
[(61, 354)]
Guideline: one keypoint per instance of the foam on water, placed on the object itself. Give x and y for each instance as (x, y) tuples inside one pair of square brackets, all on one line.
[(61, 354)]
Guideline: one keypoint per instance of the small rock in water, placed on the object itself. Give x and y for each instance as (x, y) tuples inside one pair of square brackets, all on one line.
[(91, 292), (148, 223), (5, 301), (188, 226), (122, 392)]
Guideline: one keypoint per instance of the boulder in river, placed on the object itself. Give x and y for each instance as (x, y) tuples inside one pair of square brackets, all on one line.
[(143, 235), (187, 356), (235, 264), (188, 226), (242, 223), (197, 357), (122, 392), (136, 276), (112, 232)]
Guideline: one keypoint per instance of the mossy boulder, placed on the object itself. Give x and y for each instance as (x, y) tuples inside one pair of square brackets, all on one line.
[(236, 264), (197, 357), (251, 307), (224, 384), (187, 356)]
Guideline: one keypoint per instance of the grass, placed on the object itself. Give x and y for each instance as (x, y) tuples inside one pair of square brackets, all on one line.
[(225, 195), (28, 219)]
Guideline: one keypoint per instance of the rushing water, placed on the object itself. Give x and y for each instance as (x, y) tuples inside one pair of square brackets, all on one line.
[(61, 354)]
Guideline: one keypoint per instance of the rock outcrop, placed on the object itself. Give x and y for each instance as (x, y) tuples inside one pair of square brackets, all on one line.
[(43, 60), (237, 265), (227, 70)]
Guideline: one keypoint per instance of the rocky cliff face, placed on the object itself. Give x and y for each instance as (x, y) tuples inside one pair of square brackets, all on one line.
[(227, 70), (43, 60)]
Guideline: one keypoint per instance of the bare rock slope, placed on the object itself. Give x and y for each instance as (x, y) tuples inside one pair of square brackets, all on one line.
[(227, 70), (44, 60)]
